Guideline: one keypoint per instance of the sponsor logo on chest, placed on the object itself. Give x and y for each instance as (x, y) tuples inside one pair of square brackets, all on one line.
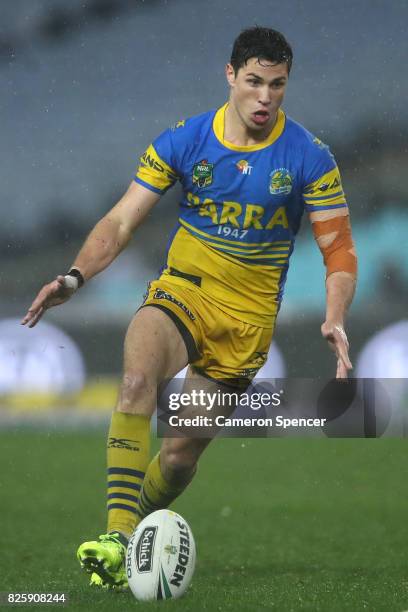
[(244, 167)]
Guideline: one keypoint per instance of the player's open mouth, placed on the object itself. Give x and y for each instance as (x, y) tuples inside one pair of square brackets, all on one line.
[(260, 117)]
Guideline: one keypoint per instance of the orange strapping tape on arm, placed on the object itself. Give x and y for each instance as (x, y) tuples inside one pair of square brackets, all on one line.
[(339, 255)]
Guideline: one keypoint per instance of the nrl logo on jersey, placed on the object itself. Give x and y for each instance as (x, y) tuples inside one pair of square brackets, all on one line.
[(281, 182), (203, 173)]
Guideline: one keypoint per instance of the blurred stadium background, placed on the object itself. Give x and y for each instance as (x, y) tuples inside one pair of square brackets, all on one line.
[(87, 84)]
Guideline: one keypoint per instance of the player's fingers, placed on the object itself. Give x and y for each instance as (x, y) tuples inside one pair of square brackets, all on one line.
[(342, 371), (30, 314), (342, 346), (39, 302), (36, 317), (342, 353), (49, 292), (26, 318), (52, 294), (338, 369)]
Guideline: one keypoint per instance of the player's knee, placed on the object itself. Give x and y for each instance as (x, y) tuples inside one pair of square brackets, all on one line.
[(133, 390)]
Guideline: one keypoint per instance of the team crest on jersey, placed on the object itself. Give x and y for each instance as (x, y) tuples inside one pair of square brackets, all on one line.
[(244, 167), (281, 182), (203, 173)]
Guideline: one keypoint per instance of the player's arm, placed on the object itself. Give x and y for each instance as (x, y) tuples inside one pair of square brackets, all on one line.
[(107, 239), (332, 232), (156, 173), (114, 231)]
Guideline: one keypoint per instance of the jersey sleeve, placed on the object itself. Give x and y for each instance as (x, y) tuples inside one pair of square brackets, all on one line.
[(158, 166), (322, 188)]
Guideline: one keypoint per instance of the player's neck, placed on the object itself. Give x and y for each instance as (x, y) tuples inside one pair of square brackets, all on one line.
[(237, 133)]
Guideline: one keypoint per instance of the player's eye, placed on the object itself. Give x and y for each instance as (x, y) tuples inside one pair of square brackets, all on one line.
[(254, 82)]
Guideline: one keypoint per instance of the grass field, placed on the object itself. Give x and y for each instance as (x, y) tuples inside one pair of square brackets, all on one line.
[(279, 524)]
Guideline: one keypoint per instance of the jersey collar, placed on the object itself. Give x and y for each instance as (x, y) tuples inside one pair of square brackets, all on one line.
[(218, 127)]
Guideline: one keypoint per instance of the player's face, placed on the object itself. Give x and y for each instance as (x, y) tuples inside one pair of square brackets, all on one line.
[(257, 91)]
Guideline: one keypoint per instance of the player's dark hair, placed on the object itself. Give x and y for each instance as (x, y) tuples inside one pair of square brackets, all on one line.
[(263, 43)]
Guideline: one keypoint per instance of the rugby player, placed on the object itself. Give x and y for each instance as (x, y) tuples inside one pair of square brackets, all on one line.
[(248, 173)]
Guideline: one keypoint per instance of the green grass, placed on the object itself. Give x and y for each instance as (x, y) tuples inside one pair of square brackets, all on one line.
[(279, 524)]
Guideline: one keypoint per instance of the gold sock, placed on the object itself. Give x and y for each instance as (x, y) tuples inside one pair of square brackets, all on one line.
[(128, 457), (156, 492)]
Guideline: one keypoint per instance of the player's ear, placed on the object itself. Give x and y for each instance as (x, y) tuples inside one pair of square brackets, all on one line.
[(230, 74)]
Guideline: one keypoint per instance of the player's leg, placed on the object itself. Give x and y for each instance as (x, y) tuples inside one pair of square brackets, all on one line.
[(170, 472), (173, 468), (232, 354), (154, 350)]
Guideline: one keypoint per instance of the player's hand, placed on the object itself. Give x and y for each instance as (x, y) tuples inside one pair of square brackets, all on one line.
[(55, 293), (337, 339)]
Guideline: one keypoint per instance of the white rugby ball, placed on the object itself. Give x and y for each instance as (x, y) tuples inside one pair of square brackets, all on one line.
[(160, 557)]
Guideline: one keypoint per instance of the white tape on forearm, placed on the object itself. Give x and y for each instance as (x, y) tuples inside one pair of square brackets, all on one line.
[(71, 282)]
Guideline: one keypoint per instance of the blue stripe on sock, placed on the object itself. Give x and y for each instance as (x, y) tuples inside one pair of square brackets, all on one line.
[(124, 484), (123, 496), (127, 471), (122, 507)]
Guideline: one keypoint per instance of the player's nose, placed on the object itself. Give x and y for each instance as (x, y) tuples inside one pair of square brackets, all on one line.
[(264, 96)]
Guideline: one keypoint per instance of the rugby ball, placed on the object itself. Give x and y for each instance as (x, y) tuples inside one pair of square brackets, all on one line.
[(160, 557)]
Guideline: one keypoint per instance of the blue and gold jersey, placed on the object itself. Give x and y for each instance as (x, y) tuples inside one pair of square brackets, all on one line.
[(241, 207)]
